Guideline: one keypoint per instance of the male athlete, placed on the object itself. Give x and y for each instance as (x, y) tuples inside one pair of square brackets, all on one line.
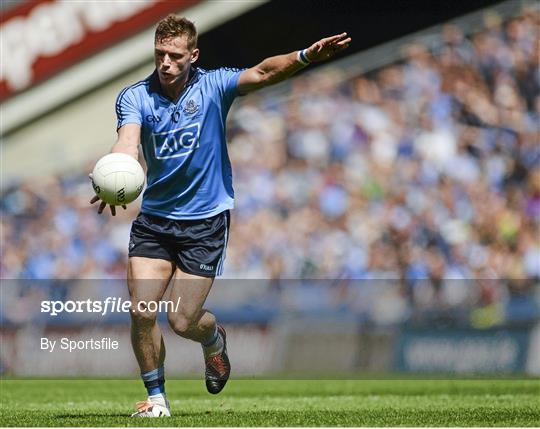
[(178, 114)]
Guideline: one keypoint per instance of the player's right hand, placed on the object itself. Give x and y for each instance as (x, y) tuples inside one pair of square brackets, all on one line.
[(102, 205)]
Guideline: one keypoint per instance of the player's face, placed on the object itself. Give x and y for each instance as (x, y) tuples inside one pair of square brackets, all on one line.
[(173, 59)]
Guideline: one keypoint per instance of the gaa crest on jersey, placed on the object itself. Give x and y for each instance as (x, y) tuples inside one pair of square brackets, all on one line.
[(176, 143), (191, 107)]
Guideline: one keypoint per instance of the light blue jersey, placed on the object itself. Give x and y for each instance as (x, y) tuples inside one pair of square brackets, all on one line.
[(189, 171)]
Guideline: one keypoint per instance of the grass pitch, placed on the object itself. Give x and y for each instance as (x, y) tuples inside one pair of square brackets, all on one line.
[(276, 403)]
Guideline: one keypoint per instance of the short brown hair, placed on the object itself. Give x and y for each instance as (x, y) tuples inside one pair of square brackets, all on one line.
[(177, 26)]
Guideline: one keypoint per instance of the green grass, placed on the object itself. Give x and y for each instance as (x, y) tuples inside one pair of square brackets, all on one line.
[(277, 403)]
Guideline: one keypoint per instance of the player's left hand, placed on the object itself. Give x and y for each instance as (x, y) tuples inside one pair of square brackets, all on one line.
[(103, 204), (326, 48)]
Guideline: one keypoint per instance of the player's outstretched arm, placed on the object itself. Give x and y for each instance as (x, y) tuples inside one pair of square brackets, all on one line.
[(276, 69), (129, 137)]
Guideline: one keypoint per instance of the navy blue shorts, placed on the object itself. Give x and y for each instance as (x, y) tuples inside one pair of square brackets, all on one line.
[(195, 246)]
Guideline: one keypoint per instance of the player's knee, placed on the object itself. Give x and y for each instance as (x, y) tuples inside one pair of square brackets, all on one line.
[(208, 322), (180, 324), (142, 316)]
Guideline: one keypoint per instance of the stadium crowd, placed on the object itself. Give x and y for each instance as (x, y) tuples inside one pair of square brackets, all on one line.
[(421, 180)]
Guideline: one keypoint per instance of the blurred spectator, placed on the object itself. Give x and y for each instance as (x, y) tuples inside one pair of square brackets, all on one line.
[(425, 172)]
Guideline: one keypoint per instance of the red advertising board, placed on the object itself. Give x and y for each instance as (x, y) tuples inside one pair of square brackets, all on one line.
[(42, 37)]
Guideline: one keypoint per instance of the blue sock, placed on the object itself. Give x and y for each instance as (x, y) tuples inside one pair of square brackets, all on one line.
[(154, 381), (212, 340)]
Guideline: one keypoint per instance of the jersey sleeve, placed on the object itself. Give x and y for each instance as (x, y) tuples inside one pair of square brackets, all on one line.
[(226, 80), (128, 108)]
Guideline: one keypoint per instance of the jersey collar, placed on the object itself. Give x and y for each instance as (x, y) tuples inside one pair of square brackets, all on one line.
[(155, 85)]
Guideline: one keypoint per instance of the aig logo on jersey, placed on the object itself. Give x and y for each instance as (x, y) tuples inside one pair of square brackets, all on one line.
[(177, 142)]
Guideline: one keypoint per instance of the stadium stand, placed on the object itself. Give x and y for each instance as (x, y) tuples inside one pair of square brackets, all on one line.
[(422, 177)]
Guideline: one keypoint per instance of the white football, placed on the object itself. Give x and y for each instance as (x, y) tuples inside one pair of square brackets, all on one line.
[(118, 179)]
